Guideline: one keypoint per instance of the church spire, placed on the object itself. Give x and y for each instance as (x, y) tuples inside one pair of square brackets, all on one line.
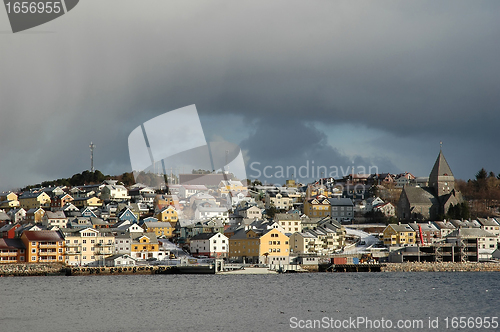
[(441, 177)]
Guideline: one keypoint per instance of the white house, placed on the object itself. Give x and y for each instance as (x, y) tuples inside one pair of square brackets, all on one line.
[(372, 202), (17, 215), (208, 210), (114, 193), (188, 190), (122, 244), (250, 212), (214, 245), (57, 218), (386, 208), (236, 197), (120, 260)]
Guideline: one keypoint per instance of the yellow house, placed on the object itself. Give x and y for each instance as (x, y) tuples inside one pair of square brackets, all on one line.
[(144, 246), (162, 201), (87, 246), (317, 207), (231, 185), (8, 205), (35, 215), (399, 234), (256, 246), (161, 229), (8, 201), (86, 201), (168, 214), (290, 222), (34, 200), (313, 191), (10, 196), (43, 246)]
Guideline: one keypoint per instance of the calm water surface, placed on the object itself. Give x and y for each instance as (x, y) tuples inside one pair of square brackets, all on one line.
[(239, 302)]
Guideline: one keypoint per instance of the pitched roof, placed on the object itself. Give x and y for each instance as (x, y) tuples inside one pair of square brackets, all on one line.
[(8, 227), (426, 227), (43, 235), (285, 216), (341, 201), (444, 225), (11, 244), (470, 233), (4, 216), (401, 227), (420, 195), (204, 236), (158, 224), (487, 222), (55, 215), (441, 167)]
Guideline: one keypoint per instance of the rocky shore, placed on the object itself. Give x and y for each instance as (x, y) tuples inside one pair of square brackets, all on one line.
[(441, 267), (31, 269)]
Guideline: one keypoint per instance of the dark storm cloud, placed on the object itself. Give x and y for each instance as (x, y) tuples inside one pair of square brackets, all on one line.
[(420, 71), (300, 150)]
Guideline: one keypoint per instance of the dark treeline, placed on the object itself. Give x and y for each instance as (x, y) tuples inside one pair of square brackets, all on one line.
[(482, 193), (87, 177), (79, 179)]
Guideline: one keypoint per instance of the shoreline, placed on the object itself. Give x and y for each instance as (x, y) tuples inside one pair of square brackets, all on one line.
[(442, 267), (49, 269)]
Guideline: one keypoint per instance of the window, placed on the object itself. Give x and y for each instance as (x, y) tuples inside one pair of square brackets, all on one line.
[(84, 241)]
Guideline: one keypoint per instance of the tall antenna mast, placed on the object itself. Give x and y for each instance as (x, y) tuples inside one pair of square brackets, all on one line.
[(92, 146)]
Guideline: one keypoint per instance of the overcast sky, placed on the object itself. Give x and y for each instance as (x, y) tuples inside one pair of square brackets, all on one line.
[(335, 82)]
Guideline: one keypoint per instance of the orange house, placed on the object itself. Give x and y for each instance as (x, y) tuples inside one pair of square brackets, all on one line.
[(12, 251), (43, 246)]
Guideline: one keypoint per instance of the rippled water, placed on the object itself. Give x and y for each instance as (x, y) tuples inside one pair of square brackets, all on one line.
[(239, 302)]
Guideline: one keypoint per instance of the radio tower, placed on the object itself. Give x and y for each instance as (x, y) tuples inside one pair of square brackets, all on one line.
[(92, 146)]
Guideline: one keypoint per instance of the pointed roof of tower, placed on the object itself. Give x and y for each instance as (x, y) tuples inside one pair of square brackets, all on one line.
[(441, 168)]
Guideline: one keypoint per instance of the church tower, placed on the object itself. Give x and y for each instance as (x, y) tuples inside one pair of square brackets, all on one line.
[(441, 177)]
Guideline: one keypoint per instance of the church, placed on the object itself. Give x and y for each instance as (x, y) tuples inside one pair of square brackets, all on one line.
[(427, 203)]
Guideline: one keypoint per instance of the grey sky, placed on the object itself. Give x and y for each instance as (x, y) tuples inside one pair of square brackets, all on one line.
[(377, 82)]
